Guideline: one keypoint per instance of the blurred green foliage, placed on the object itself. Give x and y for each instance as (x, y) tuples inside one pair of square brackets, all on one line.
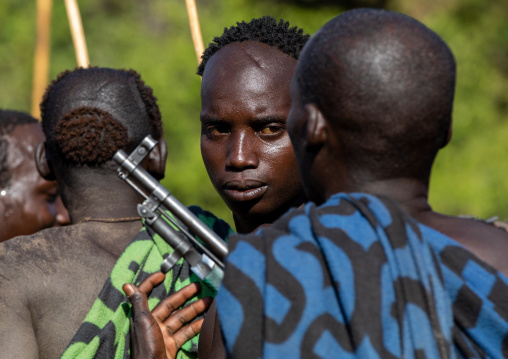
[(153, 37)]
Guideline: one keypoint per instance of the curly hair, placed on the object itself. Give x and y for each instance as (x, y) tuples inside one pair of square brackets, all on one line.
[(89, 114), (265, 30), (90, 136), (9, 120)]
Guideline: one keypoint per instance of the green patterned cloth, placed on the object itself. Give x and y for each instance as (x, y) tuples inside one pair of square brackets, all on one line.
[(105, 331)]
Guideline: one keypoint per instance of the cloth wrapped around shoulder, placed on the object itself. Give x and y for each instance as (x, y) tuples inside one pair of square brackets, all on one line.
[(358, 278), (105, 330)]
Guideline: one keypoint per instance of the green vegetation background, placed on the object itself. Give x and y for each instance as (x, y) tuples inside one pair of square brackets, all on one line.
[(153, 37)]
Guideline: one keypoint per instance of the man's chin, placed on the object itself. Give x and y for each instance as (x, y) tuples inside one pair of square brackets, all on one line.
[(246, 209)]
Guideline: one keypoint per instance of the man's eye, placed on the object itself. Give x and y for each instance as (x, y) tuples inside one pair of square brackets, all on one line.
[(271, 130), (216, 130), (51, 197)]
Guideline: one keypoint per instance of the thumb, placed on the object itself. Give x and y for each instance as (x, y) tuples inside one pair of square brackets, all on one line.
[(137, 298), (143, 330)]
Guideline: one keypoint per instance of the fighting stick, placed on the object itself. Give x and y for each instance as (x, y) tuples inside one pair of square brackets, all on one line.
[(78, 35)]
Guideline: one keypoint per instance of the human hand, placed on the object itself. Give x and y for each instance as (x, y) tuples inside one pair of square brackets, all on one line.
[(160, 333)]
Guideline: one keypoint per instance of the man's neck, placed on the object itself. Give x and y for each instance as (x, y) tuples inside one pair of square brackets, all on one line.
[(248, 225), (108, 199), (410, 193)]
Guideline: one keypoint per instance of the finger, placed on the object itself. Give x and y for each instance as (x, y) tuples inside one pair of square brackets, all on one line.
[(164, 309), (146, 338), (187, 314), (138, 300), (153, 280), (187, 332)]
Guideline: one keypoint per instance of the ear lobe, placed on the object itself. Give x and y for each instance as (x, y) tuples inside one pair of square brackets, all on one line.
[(316, 127), (156, 165), (42, 162)]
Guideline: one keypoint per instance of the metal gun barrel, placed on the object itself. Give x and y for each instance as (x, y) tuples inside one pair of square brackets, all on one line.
[(151, 187)]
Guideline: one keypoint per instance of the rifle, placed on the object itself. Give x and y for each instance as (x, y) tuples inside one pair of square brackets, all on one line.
[(173, 221)]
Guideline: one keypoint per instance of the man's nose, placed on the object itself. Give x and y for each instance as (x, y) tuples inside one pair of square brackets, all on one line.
[(242, 152), (62, 215)]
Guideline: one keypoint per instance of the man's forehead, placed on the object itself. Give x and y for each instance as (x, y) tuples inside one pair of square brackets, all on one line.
[(247, 66), (26, 136), (248, 56), (22, 143)]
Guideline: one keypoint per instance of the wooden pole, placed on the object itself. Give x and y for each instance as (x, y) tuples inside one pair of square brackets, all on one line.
[(42, 52), (78, 35), (197, 39)]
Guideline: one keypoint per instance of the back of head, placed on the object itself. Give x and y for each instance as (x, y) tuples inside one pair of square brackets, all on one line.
[(89, 114), (385, 82), (9, 120)]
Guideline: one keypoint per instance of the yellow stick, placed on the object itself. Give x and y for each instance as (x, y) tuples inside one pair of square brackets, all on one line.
[(197, 39), (42, 52), (78, 36)]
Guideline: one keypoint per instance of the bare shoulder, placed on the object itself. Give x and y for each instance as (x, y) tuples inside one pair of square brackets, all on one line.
[(43, 246), (26, 260), (28, 257), (48, 281), (19, 277)]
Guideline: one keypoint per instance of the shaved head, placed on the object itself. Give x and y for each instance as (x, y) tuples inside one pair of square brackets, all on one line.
[(385, 83)]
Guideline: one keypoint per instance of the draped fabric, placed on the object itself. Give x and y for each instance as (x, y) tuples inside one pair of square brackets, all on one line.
[(358, 278), (105, 330)]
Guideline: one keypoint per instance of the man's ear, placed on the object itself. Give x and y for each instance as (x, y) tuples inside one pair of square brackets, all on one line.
[(156, 165), (316, 127), (42, 162)]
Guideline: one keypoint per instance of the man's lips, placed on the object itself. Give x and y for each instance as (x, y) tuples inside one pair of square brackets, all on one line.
[(245, 190)]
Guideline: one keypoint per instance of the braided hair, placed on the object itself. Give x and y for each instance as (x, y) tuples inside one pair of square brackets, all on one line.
[(89, 114), (9, 120), (265, 30)]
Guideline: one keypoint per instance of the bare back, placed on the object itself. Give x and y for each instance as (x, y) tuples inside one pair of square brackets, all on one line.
[(49, 281)]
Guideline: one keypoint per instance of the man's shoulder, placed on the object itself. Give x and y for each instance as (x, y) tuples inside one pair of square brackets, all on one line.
[(351, 212), (218, 225), (483, 239), (29, 257), (311, 214), (18, 257), (15, 251), (41, 244), (290, 223)]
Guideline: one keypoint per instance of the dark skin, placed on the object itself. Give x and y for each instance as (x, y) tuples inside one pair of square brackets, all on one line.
[(244, 143), (29, 203), (166, 322), (321, 151), (245, 103), (246, 148), (321, 159), (40, 304)]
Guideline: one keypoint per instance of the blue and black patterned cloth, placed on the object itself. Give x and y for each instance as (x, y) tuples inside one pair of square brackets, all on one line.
[(358, 278)]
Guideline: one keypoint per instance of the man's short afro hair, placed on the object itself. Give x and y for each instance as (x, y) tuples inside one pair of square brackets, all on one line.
[(265, 30)]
